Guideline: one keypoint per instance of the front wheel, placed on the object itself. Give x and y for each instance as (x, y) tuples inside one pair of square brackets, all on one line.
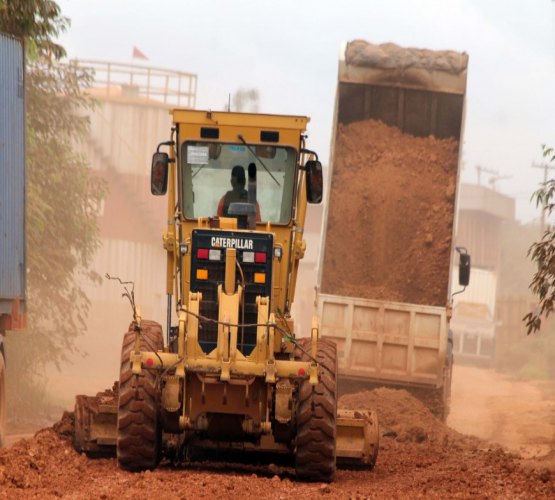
[(139, 431), (317, 414)]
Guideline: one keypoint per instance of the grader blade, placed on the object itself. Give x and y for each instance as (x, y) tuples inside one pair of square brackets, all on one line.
[(357, 439), (95, 425)]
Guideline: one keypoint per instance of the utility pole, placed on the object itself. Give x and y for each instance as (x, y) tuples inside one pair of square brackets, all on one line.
[(481, 169), (545, 168), (494, 178)]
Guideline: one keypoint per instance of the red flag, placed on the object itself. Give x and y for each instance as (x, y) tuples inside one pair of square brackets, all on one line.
[(137, 54)]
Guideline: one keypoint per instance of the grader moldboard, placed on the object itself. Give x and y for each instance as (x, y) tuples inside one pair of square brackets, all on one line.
[(230, 374)]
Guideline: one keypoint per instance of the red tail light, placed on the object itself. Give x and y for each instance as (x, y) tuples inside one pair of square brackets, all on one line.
[(202, 253), (260, 258)]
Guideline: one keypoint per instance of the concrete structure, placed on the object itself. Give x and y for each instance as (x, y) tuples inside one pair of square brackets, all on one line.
[(481, 214), (131, 119)]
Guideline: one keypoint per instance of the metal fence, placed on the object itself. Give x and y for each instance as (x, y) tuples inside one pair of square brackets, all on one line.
[(168, 86)]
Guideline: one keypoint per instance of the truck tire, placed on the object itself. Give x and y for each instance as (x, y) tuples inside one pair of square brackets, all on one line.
[(2, 401), (316, 415), (139, 433)]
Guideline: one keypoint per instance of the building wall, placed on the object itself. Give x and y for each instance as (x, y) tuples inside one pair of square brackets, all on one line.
[(123, 136)]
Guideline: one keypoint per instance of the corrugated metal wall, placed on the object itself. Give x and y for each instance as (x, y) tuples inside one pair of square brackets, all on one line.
[(126, 133), (123, 134), (303, 305), (480, 234), (12, 172), (142, 263)]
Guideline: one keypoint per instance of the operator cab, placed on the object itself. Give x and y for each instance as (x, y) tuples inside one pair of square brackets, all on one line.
[(207, 169), (237, 185)]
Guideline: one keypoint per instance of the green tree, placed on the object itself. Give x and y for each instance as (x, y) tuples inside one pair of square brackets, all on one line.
[(542, 254), (62, 194)]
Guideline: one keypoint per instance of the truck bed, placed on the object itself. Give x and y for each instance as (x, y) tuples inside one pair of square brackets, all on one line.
[(387, 245), (385, 341), (394, 170)]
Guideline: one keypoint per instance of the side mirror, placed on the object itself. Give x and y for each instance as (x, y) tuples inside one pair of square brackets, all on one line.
[(464, 266), (314, 181), (159, 174)]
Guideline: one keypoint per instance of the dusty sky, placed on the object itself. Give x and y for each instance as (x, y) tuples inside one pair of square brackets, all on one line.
[(288, 50)]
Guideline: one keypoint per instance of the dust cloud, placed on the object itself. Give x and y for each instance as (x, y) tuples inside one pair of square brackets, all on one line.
[(516, 414)]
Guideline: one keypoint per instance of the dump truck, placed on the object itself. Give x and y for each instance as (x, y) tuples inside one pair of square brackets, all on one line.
[(229, 374), (12, 200), (383, 293), (473, 328)]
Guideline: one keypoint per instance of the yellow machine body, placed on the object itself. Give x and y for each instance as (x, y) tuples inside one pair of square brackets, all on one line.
[(230, 372)]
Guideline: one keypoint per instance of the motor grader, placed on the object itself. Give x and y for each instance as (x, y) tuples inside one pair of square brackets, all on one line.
[(230, 374)]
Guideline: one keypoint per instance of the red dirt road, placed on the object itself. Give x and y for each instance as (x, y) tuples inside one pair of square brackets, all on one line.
[(516, 414), (419, 458)]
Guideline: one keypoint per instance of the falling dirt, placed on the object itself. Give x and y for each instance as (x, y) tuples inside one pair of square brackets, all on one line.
[(390, 215), (420, 457)]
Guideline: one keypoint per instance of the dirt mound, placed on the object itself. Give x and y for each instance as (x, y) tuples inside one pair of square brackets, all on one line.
[(390, 215), (400, 414), (65, 426), (419, 457), (405, 418)]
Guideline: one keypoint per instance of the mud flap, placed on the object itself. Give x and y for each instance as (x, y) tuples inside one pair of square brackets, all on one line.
[(357, 439), (95, 426)]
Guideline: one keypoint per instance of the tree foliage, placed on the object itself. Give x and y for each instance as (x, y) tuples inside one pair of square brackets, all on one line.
[(62, 194), (542, 254)]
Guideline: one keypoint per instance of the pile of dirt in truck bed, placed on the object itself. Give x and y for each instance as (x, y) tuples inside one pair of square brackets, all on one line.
[(390, 215), (389, 56), (419, 457)]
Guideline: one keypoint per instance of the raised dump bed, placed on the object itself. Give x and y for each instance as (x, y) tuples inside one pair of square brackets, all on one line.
[(387, 249)]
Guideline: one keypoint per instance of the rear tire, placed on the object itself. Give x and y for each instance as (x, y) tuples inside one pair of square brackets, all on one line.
[(139, 431), (316, 415)]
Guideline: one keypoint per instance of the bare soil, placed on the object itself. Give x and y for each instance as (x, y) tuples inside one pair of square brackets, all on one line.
[(390, 215), (419, 458), (517, 414)]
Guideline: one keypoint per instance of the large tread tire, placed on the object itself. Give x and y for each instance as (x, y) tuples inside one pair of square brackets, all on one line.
[(139, 431), (315, 458), (2, 400)]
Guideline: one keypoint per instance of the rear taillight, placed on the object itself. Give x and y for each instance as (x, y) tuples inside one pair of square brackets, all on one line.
[(209, 254), (254, 257), (215, 254)]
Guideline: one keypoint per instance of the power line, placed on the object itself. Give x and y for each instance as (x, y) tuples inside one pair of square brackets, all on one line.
[(480, 169)]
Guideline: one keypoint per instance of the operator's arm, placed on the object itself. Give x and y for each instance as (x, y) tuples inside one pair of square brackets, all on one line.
[(221, 207)]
